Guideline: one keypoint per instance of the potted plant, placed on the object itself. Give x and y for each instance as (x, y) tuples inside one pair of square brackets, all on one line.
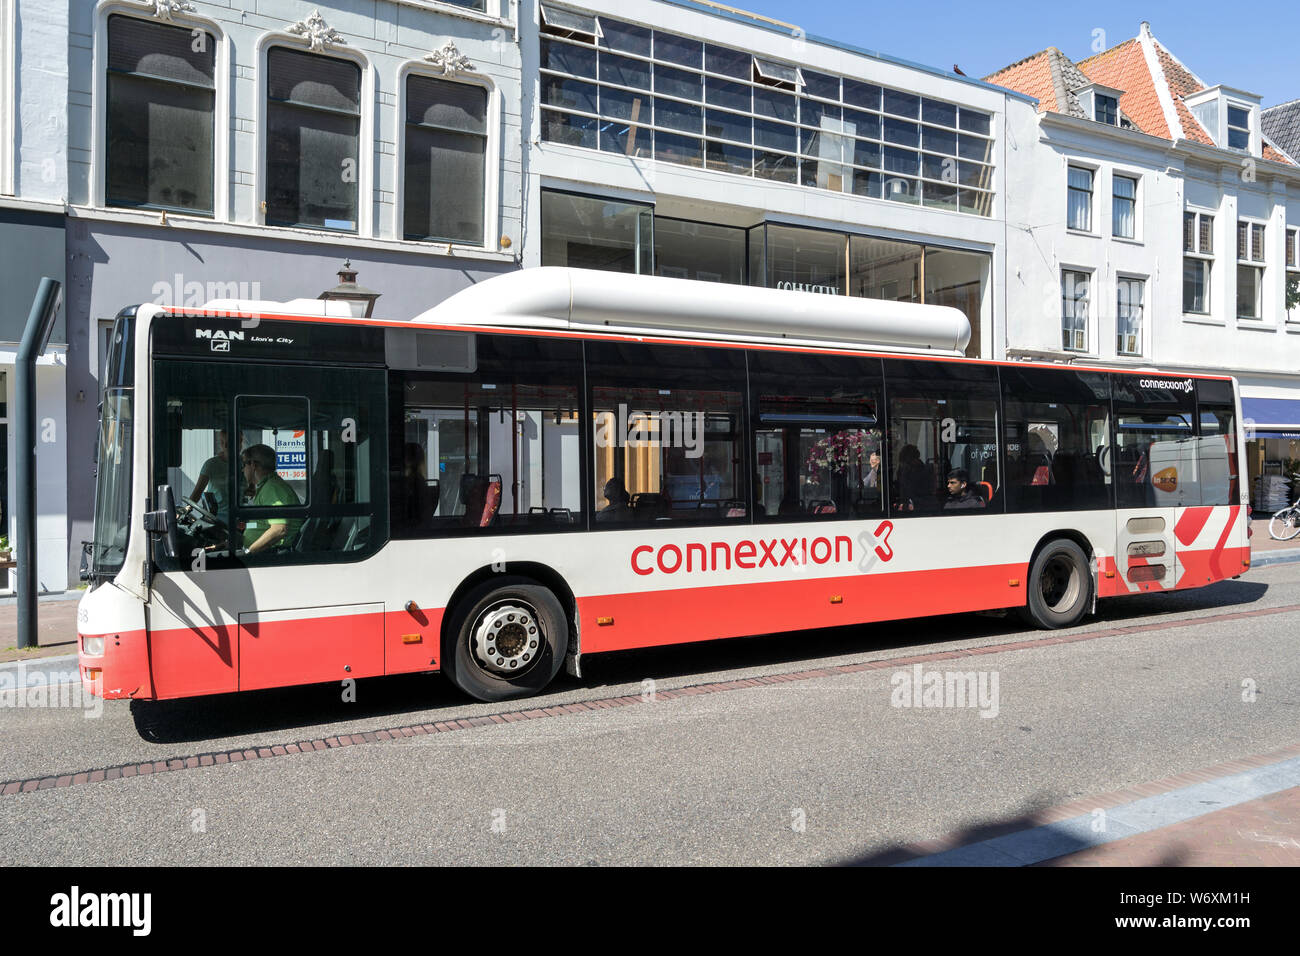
[(6, 552)]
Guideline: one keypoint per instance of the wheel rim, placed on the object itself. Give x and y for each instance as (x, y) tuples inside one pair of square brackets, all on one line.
[(1060, 583), (507, 638), (1284, 526)]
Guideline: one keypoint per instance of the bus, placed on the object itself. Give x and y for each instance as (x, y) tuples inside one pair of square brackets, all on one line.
[(557, 463)]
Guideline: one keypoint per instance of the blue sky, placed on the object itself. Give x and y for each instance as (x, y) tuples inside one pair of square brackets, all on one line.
[(1250, 45)]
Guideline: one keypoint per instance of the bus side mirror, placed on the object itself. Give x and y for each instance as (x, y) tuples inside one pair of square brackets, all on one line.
[(163, 521), (83, 572)]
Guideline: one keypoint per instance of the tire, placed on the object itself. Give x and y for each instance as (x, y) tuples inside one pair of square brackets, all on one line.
[(531, 626), (1060, 586), (1285, 525)]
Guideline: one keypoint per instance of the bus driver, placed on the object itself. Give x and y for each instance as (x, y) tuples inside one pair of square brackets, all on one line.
[(268, 490)]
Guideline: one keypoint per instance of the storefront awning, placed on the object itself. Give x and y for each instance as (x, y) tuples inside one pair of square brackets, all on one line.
[(1272, 417)]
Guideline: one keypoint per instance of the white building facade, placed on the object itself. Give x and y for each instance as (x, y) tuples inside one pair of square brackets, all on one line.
[(33, 184), (1158, 235)]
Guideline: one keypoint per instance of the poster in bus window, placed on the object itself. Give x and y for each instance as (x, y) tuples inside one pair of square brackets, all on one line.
[(291, 455)]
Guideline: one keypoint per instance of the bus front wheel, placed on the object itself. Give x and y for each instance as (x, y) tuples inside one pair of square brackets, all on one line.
[(506, 639), (1060, 586)]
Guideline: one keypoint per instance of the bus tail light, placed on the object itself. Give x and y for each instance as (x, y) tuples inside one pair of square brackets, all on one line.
[(1146, 572)]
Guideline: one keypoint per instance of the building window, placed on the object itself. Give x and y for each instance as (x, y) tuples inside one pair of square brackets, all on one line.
[(313, 127), (1079, 207), (586, 232), (446, 160), (1250, 270), (699, 250), (1124, 207), (1198, 259), (1106, 109), (1128, 316), (1293, 274), (632, 91), (1238, 128), (159, 123), (1074, 310)]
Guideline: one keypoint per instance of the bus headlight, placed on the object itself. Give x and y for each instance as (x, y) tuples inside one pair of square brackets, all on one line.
[(92, 646)]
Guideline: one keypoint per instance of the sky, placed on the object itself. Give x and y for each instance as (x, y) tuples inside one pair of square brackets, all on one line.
[(1252, 45)]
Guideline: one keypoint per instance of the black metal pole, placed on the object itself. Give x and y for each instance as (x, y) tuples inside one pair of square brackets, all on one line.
[(40, 322)]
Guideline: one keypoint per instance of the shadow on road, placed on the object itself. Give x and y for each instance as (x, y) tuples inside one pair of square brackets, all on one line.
[(314, 707), (1055, 843)]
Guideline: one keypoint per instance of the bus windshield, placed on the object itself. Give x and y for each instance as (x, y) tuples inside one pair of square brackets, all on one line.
[(113, 483), (113, 477)]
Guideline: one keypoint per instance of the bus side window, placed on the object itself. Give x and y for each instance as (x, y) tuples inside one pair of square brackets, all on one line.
[(492, 451), (943, 421), (667, 434), (818, 437), (1217, 443), (1055, 437)]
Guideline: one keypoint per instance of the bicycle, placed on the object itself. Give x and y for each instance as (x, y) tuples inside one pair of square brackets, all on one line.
[(1285, 525)]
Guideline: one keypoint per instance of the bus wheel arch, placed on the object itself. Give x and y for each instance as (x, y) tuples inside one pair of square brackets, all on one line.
[(1061, 586)]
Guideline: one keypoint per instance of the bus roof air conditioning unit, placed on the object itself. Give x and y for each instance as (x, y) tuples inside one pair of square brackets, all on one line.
[(592, 301)]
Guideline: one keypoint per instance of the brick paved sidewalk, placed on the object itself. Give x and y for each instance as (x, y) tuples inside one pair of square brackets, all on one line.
[(1263, 832), (1260, 541)]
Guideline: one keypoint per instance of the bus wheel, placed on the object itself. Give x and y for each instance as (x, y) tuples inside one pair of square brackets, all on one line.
[(505, 639), (1060, 586)]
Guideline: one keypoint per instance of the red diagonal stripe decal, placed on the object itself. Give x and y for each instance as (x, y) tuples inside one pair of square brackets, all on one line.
[(1190, 525), (1215, 569)]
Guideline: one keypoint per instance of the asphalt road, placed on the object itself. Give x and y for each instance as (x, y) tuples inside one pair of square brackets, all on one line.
[(825, 769)]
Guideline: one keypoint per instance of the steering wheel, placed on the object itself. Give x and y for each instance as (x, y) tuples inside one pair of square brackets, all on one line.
[(192, 513), (1103, 459)]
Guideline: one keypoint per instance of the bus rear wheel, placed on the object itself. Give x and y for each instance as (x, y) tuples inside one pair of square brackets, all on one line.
[(506, 639), (1060, 586)]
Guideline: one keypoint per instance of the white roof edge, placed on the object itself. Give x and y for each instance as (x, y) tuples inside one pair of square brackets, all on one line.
[(1161, 83), (588, 300), (324, 308)]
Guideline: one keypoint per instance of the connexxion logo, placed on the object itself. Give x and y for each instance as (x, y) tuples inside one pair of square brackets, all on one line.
[(1166, 384)]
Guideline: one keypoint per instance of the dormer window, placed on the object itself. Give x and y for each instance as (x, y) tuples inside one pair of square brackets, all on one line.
[(1106, 109), (1100, 103), (1238, 128), (1230, 116)]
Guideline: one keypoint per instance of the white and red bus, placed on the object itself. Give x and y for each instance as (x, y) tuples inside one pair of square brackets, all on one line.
[(557, 463)]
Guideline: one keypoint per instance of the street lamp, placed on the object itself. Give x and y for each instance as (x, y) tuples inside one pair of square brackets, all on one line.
[(360, 300)]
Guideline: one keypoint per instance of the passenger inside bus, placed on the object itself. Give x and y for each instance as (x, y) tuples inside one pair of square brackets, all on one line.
[(619, 507), (215, 473), (915, 485), (960, 494)]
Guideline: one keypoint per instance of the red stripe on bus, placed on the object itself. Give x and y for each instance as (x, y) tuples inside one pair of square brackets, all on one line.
[(654, 618), (1216, 562), (222, 659)]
